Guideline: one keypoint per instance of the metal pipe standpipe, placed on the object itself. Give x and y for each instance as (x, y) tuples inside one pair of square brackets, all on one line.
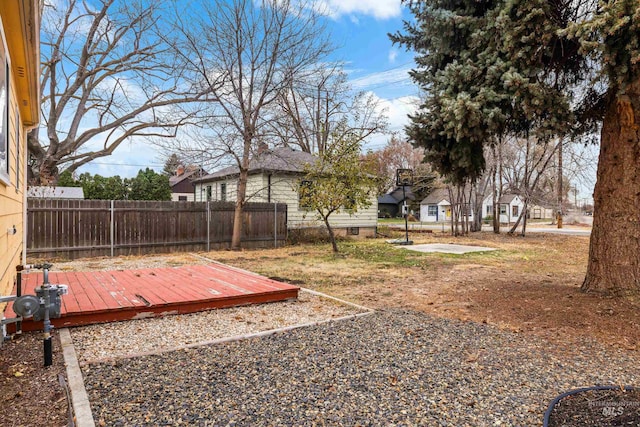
[(50, 304)]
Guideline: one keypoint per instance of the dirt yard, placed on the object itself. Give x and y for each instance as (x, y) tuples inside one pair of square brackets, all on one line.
[(531, 285)]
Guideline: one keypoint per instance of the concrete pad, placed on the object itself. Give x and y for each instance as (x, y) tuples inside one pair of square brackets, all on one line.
[(447, 248)]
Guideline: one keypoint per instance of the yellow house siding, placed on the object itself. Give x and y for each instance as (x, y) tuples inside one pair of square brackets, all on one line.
[(20, 24), (284, 189), (12, 198)]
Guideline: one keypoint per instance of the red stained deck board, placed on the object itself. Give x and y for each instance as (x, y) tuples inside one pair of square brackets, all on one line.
[(225, 286), (248, 282), (207, 286), (116, 295), (174, 281)]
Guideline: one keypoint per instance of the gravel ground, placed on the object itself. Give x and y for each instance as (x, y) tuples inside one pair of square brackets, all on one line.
[(110, 341), (389, 368)]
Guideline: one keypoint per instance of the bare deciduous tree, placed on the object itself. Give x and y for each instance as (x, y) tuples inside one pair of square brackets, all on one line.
[(106, 78), (526, 163), (400, 154), (321, 104), (247, 54)]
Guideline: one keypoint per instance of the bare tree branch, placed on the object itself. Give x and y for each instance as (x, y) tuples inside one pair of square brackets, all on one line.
[(107, 77)]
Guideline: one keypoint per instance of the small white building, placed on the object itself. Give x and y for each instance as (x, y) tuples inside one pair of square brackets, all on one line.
[(541, 212), (44, 192), (510, 206), (436, 206), (274, 177)]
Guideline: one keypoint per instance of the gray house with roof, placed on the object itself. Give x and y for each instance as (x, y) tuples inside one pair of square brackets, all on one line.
[(390, 204), (274, 177)]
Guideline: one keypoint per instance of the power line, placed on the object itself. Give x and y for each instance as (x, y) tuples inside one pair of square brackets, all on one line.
[(125, 164)]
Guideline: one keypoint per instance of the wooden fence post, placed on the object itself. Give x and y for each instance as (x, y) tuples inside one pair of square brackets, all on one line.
[(208, 227), (112, 228)]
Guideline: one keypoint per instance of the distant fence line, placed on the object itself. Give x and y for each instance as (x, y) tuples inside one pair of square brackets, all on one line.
[(86, 228)]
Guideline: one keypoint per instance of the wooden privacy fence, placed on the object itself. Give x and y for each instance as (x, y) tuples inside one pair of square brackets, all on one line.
[(86, 228)]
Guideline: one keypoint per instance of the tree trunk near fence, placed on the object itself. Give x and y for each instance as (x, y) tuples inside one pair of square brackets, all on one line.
[(240, 201)]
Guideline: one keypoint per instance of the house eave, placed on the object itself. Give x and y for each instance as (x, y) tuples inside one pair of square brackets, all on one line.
[(23, 42)]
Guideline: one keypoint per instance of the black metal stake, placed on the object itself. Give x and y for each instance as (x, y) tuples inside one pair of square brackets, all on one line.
[(406, 216), (19, 294), (48, 350)]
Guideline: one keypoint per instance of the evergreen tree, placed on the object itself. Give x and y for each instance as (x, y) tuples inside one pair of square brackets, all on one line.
[(537, 68), (149, 185), (97, 187), (66, 179), (171, 164)]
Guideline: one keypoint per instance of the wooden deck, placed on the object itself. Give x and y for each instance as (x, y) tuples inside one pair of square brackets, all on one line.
[(110, 296)]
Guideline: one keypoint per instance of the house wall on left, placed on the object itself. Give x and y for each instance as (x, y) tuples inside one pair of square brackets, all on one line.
[(19, 112)]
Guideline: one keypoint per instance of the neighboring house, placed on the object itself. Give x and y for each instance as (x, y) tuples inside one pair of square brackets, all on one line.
[(182, 183), (43, 192), (390, 204), (274, 177), (510, 206), (436, 206), (541, 212), (19, 112)]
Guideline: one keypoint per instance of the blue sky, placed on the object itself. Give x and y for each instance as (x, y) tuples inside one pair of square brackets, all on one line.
[(359, 30)]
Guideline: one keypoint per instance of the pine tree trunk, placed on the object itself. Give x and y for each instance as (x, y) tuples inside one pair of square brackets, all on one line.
[(614, 253)]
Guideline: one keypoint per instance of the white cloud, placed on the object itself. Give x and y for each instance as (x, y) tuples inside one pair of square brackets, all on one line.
[(393, 53), (379, 9), (397, 76), (397, 111)]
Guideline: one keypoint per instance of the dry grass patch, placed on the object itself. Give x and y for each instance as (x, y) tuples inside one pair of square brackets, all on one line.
[(531, 285)]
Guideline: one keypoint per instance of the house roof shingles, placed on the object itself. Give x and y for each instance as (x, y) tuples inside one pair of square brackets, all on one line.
[(387, 199), (436, 196), (177, 179), (283, 159)]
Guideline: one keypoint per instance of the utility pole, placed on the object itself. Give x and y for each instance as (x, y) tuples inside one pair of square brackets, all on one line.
[(560, 193)]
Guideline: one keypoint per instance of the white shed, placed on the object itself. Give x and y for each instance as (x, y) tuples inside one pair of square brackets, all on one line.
[(511, 206)]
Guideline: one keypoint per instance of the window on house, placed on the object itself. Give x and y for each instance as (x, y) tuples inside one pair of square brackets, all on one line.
[(208, 193), (350, 204), (353, 231), (489, 209), (432, 210), (515, 210), (503, 209), (182, 198), (4, 110), (223, 192), (304, 194)]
